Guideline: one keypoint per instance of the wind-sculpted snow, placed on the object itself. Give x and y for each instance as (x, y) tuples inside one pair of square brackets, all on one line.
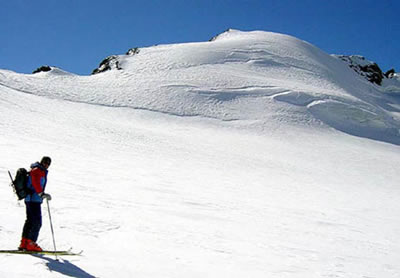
[(236, 76), (355, 120)]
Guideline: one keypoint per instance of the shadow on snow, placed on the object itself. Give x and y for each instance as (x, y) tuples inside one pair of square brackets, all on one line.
[(65, 267)]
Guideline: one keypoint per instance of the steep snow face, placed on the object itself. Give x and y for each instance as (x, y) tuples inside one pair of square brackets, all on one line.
[(237, 76)]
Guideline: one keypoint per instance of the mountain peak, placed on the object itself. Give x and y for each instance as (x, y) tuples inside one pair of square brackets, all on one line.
[(238, 76), (226, 33)]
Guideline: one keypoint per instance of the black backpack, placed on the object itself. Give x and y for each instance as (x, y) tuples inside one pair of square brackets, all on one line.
[(20, 183)]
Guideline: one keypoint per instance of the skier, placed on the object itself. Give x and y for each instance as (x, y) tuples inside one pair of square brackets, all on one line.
[(33, 201)]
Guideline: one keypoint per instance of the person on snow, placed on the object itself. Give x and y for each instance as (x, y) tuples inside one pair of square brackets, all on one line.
[(33, 201)]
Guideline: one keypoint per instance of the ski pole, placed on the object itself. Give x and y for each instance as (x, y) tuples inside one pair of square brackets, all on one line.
[(12, 181), (52, 230)]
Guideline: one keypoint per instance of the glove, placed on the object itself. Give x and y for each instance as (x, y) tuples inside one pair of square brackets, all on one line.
[(45, 196)]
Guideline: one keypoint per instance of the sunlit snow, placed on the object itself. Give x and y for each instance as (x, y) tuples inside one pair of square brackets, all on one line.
[(255, 154)]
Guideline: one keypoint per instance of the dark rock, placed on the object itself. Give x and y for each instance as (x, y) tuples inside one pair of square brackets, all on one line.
[(390, 73), (108, 63), (113, 61), (363, 67), (373, 73), (216, 36), (133, 51), (42, 69)]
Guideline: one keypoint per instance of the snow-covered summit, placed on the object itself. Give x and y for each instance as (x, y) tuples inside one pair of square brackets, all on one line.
[(236, 76), (227, 34)]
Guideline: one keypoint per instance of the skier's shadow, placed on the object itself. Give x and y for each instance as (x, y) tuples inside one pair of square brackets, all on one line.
[(65, 267)]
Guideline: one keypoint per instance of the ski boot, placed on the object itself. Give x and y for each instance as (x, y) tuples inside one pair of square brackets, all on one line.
[(32, 246), (22, 246)]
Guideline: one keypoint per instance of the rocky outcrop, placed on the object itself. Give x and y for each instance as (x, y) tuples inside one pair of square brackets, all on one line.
[(219, 35), (133, 51), (109, 63), (390, 73), (113, 61), (369, 70), (42, 69)]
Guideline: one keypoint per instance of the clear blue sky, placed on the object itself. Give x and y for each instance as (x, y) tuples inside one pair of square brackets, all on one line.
[(76, 35)]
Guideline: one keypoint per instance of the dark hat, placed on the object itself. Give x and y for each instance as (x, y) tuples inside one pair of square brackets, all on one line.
[(45, 159)]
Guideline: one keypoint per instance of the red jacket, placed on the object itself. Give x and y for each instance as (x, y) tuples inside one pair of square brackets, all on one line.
[(37, 182)]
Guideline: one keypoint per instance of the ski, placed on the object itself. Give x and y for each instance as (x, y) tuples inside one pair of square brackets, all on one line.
[(44, 252)]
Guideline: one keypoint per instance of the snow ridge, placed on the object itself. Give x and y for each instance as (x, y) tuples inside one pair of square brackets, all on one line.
[(235, 76)]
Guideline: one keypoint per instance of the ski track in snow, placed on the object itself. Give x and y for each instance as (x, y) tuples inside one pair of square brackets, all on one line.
[(253, 184)]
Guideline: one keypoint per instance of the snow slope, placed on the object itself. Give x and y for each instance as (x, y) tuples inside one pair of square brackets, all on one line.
[(224, 79), (229, 158)]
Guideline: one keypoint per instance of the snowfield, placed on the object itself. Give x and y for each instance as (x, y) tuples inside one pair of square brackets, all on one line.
[(255, 154)]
